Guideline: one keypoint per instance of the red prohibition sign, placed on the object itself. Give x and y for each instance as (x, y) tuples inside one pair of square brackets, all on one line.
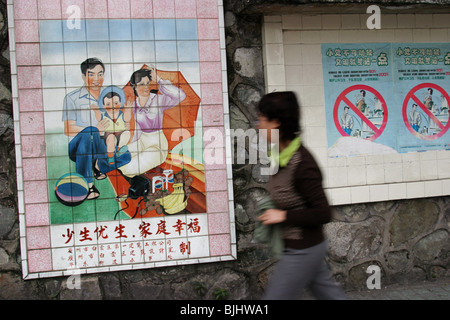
[(343, 98), (421, 105)]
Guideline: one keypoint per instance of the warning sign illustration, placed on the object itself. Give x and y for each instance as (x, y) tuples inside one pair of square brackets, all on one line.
[(360, 111), (393, 96), (425, 111)]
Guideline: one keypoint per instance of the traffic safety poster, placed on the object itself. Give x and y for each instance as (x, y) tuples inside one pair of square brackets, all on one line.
[(389, 97)]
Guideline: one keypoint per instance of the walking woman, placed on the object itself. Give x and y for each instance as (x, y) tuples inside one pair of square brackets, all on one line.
[(302, 207)]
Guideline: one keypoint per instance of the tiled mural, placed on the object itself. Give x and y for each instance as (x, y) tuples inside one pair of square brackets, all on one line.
[(114, 105)]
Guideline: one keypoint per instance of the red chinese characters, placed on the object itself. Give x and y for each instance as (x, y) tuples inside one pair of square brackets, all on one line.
[(131, 241)]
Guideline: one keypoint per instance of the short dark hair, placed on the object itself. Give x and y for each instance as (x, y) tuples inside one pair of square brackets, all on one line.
[(110, 95), (137, 76), (91, 63), (282, 106)]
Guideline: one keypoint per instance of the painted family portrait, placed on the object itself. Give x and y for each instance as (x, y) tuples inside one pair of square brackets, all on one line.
[(122, 140)]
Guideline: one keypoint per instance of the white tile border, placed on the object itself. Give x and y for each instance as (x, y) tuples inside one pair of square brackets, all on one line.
[(387, 192), (17, 139)]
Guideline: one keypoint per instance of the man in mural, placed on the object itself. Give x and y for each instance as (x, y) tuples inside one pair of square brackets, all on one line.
[(86, 148)]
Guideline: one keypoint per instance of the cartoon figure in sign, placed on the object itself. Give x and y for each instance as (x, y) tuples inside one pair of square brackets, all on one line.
[(347, 121), (444, 105), (428, 99), (414, 118), (86, 148), (361, 102), (111, 106)]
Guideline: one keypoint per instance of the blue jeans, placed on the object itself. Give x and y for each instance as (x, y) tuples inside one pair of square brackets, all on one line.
[(348, 131), (87, 148)]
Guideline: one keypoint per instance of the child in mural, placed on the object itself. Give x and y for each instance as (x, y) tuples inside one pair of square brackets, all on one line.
[(149, 147), (86, 148), (111, 106)]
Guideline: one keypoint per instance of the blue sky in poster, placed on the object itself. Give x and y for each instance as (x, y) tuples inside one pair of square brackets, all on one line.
[(365, 87), (122, 45)]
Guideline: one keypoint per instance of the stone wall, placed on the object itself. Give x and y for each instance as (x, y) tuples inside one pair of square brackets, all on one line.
[(408, 240)]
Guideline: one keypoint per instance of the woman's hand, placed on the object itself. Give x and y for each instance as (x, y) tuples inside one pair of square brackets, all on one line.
[(154, 74), (273, 216)]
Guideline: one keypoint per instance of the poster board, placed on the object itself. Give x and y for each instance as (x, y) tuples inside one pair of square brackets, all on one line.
[(158, 200), (393, 97), (387, 120)]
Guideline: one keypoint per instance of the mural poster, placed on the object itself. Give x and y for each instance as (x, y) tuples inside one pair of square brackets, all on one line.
[(386, 98), (114, 99)]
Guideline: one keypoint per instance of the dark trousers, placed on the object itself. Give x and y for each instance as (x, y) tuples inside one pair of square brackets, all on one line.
[(87, 148), (300, 269)]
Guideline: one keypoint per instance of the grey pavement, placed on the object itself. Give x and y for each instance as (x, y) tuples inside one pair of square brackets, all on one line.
[(420, 290), (423, 290)]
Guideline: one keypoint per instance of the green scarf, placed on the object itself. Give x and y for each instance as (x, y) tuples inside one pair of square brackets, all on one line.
[(286, 154)]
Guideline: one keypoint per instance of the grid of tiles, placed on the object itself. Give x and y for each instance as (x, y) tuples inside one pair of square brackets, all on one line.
[(48, 39)]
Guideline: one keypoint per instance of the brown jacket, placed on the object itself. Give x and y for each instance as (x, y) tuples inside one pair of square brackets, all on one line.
[(298, 189)]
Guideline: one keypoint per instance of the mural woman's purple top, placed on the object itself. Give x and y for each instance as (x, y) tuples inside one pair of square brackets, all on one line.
[(149, 118)]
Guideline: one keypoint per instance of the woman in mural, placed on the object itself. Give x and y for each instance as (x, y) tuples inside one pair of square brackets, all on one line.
[(301, 206), (149, 147)]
